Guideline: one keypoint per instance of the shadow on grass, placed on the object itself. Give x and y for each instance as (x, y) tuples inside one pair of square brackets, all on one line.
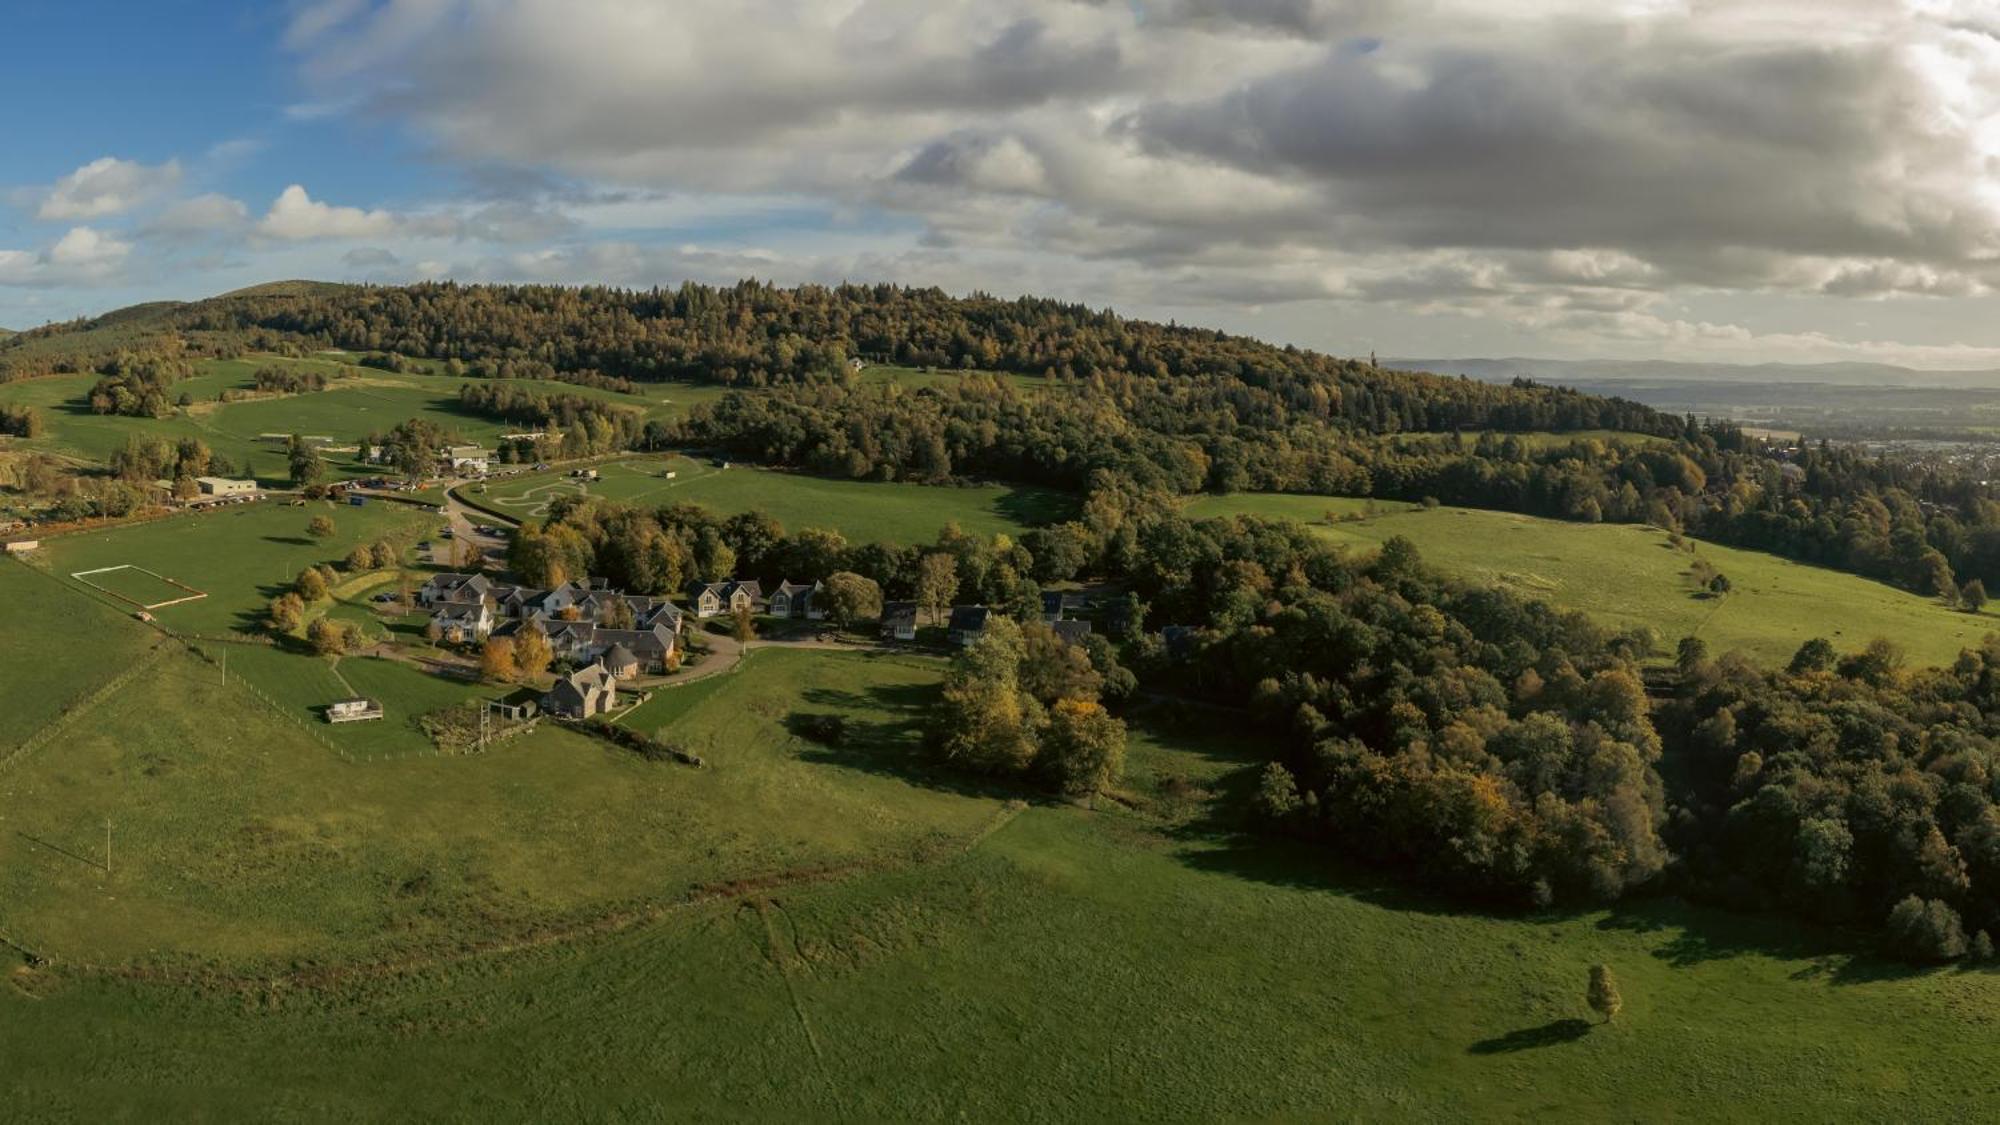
[(289, 540), (1683, 935), (96, 865), (883, 734), (1036, 507), (1551, 1034)]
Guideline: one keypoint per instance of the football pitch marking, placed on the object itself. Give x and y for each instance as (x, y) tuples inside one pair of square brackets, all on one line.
[(192, 595)]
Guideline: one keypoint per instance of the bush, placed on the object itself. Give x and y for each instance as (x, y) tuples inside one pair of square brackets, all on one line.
[(1925, 930), (651, 749)]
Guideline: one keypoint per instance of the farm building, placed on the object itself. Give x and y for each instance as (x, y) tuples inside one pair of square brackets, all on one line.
[(224, 486), (353, 711), (899, 621), (22, 546)]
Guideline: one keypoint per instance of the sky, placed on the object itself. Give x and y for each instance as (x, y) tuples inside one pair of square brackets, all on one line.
[(1700, 180)]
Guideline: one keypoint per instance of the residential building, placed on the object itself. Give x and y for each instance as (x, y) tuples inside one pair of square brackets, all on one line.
[(899, 621), (1058, 604), (1074, 632), (798, 599), (968, 624), (582, 694), (712, 598)]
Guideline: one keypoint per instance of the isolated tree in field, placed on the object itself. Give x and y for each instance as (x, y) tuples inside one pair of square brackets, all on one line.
[(287, 610), (532, 655), (1082, 748), (384, 553), (1604, 998), (1972, 596), (937, 583), (984, 721), (742, 624), (360, 558), (320, 527), (307, 467), (311, 586), (851, 598), (496, 661), (328, 637)]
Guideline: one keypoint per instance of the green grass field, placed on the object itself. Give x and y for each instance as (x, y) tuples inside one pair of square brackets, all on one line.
[(862, 510), (358, 402), (56, 649), (1626, 575), (887, 943)]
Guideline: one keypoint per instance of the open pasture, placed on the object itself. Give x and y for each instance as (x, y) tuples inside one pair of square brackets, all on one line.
[(357, 402), (876, 942), (58, 646), (241, 556), (1626, 575), (861, 510)]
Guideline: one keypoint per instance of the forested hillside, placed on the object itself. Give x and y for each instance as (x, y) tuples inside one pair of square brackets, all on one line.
[(1165, 407)]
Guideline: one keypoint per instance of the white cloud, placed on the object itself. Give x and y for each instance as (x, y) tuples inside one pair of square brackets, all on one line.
[(106, 186), (297, 217), (81, 256), (1539, 159)]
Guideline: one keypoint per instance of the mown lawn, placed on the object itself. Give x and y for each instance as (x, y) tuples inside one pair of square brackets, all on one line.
[(862, 510), (1626, 575)]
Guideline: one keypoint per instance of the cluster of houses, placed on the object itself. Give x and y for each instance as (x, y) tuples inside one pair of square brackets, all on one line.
[(610, 636), (583, 622)]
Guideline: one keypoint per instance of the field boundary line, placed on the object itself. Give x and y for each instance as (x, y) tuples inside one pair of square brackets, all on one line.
[(258, 693), (55, 725)]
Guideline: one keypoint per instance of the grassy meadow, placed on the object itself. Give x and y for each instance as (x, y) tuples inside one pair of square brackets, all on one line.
[(862, 510), (358, 401), (1626, 575), (876, 942)]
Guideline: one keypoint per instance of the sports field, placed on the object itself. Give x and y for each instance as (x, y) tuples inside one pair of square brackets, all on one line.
[(1626, 575), (143, 588), (807, 933), (862, 510)]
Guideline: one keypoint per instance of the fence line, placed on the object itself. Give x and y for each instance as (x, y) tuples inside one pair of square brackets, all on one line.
[(55, 726)]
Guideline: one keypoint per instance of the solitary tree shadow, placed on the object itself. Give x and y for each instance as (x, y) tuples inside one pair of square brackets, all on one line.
[(1551, 1034)]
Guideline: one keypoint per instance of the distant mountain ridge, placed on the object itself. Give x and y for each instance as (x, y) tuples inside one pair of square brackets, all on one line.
[(1589, 371)]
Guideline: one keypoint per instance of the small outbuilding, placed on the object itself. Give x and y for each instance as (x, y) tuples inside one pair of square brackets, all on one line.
[(224, 486), (353, 711)]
